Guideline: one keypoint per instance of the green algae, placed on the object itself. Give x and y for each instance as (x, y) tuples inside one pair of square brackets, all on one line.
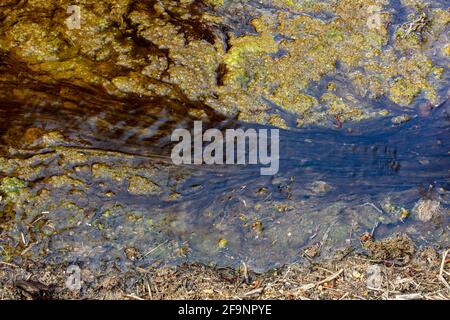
[(10, 185), (142, 186), (215, 3), (138, 49), (284, 66)]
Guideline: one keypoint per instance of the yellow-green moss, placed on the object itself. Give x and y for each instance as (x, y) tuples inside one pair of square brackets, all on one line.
[(215, 3), (12, 185), (142, 186), (289, 54)]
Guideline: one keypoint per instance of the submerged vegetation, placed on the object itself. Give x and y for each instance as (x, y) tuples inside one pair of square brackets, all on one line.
[(358, 86), (271, 68)]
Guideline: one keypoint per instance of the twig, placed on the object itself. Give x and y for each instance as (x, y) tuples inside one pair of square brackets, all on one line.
[(412, 296), (441, 271), (132, 296), (156, 248), (373, 206), (374, 228), (328, 279), (254, 292), (332, 277), (27, 249), (246, 278), (344, 296), (9, 264), (149, 289)]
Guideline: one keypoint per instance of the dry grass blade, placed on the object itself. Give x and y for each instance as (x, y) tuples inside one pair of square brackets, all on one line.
[(441, 270)]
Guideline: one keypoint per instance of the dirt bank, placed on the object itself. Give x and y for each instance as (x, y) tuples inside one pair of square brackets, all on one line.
[(350, 275)]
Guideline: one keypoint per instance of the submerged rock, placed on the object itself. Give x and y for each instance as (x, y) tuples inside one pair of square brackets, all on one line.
[(401, 119), (320, 187), (427, 209)]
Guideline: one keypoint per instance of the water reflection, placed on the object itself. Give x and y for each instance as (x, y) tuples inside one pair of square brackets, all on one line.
[(332, 185)]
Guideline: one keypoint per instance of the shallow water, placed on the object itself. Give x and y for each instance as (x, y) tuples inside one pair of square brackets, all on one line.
[(266, 221), (80, 206)]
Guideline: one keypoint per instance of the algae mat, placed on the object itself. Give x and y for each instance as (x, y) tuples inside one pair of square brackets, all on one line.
[(359, 90)]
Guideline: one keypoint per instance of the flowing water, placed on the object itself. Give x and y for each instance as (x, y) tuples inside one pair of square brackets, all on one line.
[(101, 188)]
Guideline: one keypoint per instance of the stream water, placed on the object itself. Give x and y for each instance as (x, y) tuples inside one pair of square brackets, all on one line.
[(96, 185), (332, 185)]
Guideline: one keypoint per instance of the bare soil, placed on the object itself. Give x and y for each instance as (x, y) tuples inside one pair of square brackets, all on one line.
[(409, 274)]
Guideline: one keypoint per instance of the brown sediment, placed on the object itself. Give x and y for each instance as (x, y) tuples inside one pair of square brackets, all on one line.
[(347, 276)]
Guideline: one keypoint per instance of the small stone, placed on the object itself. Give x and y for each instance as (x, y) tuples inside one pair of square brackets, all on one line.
[(261, 191), (424, 110), (257, 226), (222, 243), (109, 194), (320, 187), (401, 119), (425, 210), (132, 253), (312, 251), (446, 50)]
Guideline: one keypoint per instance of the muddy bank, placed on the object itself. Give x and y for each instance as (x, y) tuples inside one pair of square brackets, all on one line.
[(406, 274)]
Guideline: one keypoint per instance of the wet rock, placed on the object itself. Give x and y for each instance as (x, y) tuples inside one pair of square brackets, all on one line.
[(426, 209), (132, 253), (424, 161), (312, 251), (33, 290), (258, 227), (401, 119), (320, 187)]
